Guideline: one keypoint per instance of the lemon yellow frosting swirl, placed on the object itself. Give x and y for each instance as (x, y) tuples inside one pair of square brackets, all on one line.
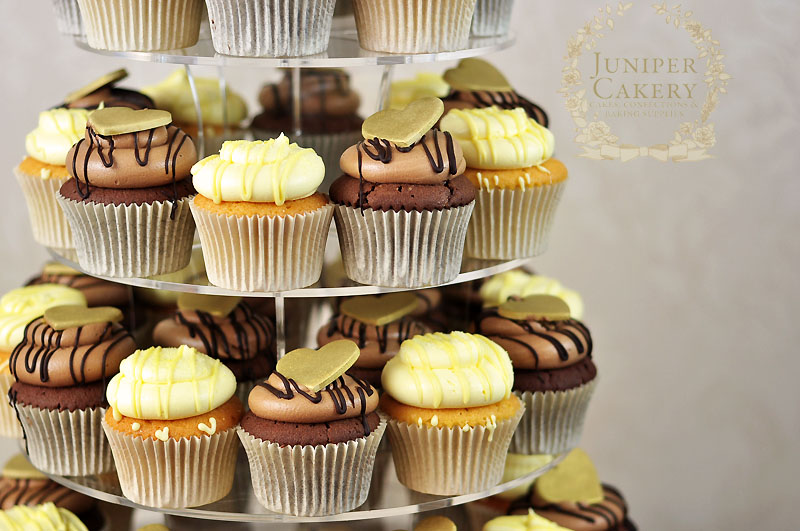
[(57, 131), (169, 384), (499, 288), (424, 85), (20, 306), (271, 171), (522, 522), (45, 517), (498, 139), (453, 370)]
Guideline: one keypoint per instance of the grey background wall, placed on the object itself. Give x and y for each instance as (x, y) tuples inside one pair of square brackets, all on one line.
[(689, 271)]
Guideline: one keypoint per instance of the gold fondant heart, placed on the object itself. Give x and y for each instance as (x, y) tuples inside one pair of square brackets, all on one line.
[(216, 305), (436, 523), (122, 120), (542, 306), (18, 467), (405, 126), (476, 74), (57, 268), (70, 316), (100, 82), (380, 310), (315, 369), (572, 480)]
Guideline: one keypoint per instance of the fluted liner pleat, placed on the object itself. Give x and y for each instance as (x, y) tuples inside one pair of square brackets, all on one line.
[(312, 480), (553, 420), (67, 443), (50, 227), (402, 249), (450, 461), (262, 253), (270, 28), (413, 26), (141, 25), (9, 424), (68, 17), (509, 224), (492, 17), (131, 240), (175, 473)]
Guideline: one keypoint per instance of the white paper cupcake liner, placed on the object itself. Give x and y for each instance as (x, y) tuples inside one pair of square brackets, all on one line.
[(553, 420), (450, 461), (491, 18), (312, 480), (413, 26), (141, 25), (50, 227), (68, 17), (130, 240), (186, 472), (260, 253), (509, 224), (402, 249), (270, 28), (67, 443), (9, 424)]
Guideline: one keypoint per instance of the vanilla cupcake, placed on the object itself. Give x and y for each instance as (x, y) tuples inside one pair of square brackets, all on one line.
[(262, 224), (172, 427), (44, 171), (452, 412), (518, 185)]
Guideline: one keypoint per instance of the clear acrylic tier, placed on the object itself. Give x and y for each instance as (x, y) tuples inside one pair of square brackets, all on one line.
[(387, 497)]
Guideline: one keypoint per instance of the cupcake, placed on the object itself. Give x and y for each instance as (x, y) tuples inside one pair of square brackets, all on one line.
[(452, 412), (518, 186), (554, 374), (44, 516), (127, 202), (61, 368), (68, 18), (17, 308), (220, 122), (22, 484), (312, 433), (572, 496), (403, 204), (103, 91), (262, 224), (413, 26), (491, 18), (477, 84), (522, 522), (226, 329), (270, 28), (329, 120), (378, 325), (429, 309), (423, 85), (518, 283), (44, 171), (171, 427), (141, 25)]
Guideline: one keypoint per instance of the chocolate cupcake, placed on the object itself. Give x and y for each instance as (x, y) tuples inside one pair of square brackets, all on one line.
[(103, 91), (226, 329), (22, 484), (378, 325), (312, 433), (61, 369), (127, 201), (554, 374), (403, 201), (329, 120), (476, 84)]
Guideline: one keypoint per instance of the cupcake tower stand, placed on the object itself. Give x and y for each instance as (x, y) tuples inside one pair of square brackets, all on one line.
[(388, 497)]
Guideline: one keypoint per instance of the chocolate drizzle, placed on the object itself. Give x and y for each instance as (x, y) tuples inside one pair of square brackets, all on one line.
[(351, 328), (34, 492), (184, 136), (505, 100), (336, 390)]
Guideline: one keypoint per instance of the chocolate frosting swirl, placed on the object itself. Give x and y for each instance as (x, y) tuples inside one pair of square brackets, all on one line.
[(606, 515), (325, 92), (75, 356), (378, 344), (36, 491), (240, 335), (284, 400), (537, 344), (505, 100)]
